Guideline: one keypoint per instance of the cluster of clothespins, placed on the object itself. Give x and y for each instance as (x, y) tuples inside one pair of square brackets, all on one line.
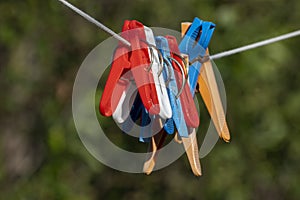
[(153, 82)]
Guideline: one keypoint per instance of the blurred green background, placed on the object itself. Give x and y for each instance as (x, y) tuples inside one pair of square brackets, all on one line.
[(42, 45)]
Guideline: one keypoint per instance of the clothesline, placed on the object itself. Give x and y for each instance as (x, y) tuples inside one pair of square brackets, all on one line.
[(213, 57), (255, 45), (97, 23)]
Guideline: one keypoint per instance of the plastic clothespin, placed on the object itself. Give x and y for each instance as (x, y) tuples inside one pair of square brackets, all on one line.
[(201, 31), (177, 117), (135, 114), (165, 107), (207, 86), (137, 111), (209, 91), (122, 111), (136, 60), (123, 108), (191, 148), (172, 88), (188, 105), (156, 144), (145, 133), (190, 143), (194, 44), (156, 141), (163, 98), (161, 89)]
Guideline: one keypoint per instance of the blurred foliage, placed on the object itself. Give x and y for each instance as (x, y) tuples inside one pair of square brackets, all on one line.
[(42, 45)]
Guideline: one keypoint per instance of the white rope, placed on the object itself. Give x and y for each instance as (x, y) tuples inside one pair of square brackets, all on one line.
[(255, 45), (92, 20), (213, 57)]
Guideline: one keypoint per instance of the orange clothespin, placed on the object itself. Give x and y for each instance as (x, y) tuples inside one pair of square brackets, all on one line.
[(156, 144), (208, 89), (190, 143)]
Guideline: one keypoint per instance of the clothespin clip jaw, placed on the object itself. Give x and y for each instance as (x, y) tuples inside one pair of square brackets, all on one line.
[(194, 44)]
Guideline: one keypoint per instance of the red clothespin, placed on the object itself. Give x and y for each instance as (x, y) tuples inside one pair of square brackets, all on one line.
[(135, 60), (187, 102)]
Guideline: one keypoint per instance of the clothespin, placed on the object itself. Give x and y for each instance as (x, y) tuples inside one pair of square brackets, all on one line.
[(175, 102), (207, 86), (168, 73), (156, 141), (189, 141), (163, 98), (156, 144), (210, 94), (136, 60), (145, 132), (191, 146), (195, 39), (194, 44), (161, 89), (188, 105), (136, 113), (126, 101), (137, 107), (177, 117)]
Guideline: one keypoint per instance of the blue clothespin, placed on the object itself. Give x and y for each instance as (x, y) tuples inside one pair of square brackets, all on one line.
[(138, 111), (194, 44), (145, 133), (169, 126), (135, 114), (172, 89)]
